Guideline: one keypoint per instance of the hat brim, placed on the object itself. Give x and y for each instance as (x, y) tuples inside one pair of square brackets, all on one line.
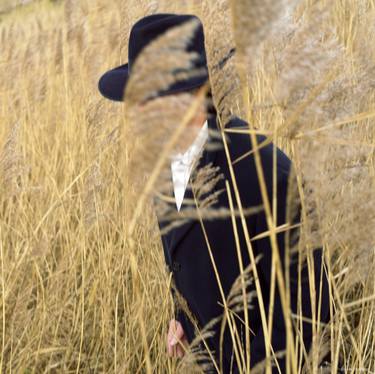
[(113, 83)]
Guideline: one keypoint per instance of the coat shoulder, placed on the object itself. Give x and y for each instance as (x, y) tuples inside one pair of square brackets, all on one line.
[(242, 150)]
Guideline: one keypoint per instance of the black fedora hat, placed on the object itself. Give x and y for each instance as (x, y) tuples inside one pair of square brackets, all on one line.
[(112, 84)]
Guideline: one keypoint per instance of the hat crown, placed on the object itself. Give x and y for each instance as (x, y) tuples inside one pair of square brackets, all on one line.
[(112, 84), (148, 28)]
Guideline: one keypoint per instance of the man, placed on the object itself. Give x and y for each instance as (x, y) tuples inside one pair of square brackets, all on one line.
[(185, 247)]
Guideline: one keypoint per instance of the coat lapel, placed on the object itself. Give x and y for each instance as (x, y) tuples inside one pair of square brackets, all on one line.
[(174, 236)]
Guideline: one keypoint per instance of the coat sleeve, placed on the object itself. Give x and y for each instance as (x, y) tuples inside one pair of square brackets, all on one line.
[(178, 312), (182, 317), (263, 247)]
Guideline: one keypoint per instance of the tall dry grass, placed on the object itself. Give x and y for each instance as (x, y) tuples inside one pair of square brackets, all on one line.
[(83, 280)]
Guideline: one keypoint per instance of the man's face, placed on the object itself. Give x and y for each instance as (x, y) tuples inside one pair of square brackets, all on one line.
[(180, 104)]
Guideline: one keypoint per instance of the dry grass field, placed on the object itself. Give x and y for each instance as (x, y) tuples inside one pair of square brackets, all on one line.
[(78, 294)]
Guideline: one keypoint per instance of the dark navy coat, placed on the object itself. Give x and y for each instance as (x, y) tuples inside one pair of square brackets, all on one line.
[(187, 257)]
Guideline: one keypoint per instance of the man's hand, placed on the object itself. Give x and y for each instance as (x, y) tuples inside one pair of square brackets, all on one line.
[(176, 340)]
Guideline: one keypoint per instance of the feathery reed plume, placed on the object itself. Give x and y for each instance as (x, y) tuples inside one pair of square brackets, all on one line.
[(316, 84), (254, 23), (130, 12), (94, 183), (203, 183), (76, 34), (11, 163), (309, 66), (198, 351), (235, 300), (146, 150), (160, 65), (125, 25), (92, 200), (313, 81), (261, 366), (113, 35), (239, 301), (365, 51), (69, 19), (220, 50), (58, 58), (323, 347), (142, 124), (338, 176), (163, 62), (322, 96), (182, 6), (199, 356)]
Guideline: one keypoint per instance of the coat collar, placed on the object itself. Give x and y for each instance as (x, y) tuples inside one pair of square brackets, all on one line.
[(174, 236)]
